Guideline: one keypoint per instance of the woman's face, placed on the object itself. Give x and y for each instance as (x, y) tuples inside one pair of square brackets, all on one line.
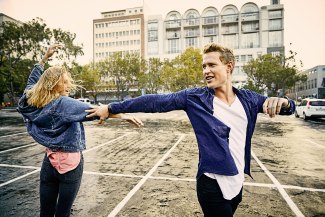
[(63, 85)]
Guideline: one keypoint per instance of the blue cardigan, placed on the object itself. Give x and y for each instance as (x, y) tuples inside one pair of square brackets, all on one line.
[(212, 135)]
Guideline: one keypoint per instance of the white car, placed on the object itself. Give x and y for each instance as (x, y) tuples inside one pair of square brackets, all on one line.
[(311, 108), (86, 100)]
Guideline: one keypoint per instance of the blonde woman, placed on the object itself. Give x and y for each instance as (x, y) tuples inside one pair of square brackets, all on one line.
[(54, 120)]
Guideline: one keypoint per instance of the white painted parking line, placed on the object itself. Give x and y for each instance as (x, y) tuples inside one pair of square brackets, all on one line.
[(280, 188), (18, 166), (38, 169), (12, 134), (20, 177), (303, 188), (24, 146), (318, 145), (112, 174), (266, 185), (118, 208), (106, 143)]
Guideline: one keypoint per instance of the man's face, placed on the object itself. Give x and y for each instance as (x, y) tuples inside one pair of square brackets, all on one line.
[(214, 71)]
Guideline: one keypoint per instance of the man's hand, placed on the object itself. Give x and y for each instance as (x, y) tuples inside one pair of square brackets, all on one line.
[(273, 105), (100, 111)]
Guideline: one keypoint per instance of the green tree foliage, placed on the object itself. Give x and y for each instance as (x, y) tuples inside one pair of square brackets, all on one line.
[(272, 74), (123, 71), (22, 45), (90, 80), (184, 71), (151, 80)]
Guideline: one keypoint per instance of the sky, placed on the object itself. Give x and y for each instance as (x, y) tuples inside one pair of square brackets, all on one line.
[(304, 21)]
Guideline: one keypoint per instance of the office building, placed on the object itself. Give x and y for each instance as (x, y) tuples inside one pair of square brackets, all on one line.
[(118, 31), (250, 30)]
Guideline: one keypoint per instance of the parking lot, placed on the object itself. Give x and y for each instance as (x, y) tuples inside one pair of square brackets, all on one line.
[(151, 171)]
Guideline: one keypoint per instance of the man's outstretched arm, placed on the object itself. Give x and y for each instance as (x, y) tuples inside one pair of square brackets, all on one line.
[(150, 103)]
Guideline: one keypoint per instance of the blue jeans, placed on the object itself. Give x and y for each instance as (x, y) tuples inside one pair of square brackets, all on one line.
[(211, 199), (58, 191)]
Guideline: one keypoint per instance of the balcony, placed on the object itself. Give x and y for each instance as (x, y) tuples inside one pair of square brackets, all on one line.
[(191, 22), (173, 24), (229, 31), (210, 20), (249, 17), (172, 35), (233, 18), (249, 28), (210, 32), (192, 33)]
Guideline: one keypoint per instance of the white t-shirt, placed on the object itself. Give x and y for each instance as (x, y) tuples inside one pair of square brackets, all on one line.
[(234, 116)]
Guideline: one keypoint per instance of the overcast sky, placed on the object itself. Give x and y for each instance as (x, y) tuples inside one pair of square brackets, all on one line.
[(304, 21)]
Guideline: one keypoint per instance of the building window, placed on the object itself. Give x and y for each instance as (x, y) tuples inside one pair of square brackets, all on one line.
[(191, 42), (275, 39), (275, 2), (275, 14), (250, 40), (152, 47), (230, 41), (173, 46), (275, 24)]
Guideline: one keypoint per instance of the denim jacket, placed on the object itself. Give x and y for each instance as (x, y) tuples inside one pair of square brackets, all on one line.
[(56, 126), (212, 135)]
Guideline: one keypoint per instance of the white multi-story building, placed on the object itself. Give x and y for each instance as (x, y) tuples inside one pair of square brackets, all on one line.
[(250, 30), (118, 31)]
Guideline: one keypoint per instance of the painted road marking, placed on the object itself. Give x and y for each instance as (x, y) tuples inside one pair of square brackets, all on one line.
[(12, 149), (12, 134), (284, 194), (118, 208), (38, 169), (20, 177), (106, 143), (318, 145), (266, 185)]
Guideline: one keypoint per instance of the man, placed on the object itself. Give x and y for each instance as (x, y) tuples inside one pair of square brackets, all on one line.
[(223, 119)]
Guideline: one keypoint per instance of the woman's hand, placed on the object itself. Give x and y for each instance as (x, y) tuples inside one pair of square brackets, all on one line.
[(50, 51)]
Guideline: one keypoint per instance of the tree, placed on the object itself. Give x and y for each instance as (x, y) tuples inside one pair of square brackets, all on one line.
[(272, 73), (151, 81), (184, 71), (124, 71), (23, 44), (90, 79)]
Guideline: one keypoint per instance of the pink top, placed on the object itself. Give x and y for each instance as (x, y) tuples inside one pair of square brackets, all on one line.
[(63, 161)]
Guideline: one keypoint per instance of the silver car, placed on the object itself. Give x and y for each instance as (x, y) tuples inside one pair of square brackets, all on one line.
[(311, 108)]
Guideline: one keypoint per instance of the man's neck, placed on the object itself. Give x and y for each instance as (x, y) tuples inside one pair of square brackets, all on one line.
[(226, 94)]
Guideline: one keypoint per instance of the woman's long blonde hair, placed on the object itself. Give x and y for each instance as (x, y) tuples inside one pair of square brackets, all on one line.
[(45, 90)]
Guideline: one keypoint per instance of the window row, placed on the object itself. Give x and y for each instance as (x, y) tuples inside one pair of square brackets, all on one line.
[(118, 23), (117, 34), (117, 43), (107, 54)]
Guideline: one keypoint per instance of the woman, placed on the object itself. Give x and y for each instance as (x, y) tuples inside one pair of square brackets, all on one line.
[(55, 121)]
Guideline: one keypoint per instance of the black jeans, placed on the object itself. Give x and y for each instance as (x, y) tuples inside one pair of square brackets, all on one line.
[(58, 191), (211, 199)]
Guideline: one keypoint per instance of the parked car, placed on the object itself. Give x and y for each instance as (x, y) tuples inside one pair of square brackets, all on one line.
[(311, 108), (86, 100)]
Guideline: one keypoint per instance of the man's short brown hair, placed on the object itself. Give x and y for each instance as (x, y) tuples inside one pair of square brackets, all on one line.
[(226, 54)]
